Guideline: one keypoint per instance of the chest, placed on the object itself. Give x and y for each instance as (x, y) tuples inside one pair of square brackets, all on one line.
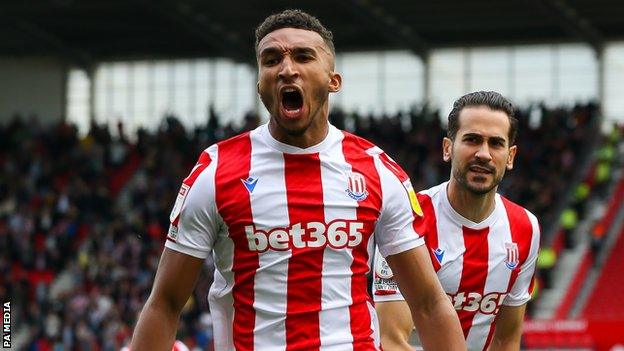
[(481, 260), (300, 199)]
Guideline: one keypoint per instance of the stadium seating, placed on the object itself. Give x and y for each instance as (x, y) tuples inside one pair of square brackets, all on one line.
[(610, 284), (86, 223)]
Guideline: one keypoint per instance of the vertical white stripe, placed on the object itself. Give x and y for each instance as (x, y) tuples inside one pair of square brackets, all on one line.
[(498, 276), (221, 308), (269, 208), (220, 295), (373, 318), (451, 240), (335, 328)]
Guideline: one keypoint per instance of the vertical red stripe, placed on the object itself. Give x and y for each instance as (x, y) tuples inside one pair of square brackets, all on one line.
[(304, 192), (474, 271), (427, 226), (234, 206), (354, 150), (521, 234), (492, 327)]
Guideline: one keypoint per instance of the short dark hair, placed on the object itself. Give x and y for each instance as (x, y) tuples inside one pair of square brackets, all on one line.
[(294, 19), (491, 99)]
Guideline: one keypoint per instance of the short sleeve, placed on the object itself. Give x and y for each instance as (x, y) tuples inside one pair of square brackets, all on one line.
[(194, 221), (520, 292), (395, 231), (385, 288)]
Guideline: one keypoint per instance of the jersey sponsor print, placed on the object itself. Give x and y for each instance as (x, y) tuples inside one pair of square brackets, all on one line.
[(290, 231), (482, 266)]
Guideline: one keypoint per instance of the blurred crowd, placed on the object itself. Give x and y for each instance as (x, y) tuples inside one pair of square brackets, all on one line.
[(83, 219)]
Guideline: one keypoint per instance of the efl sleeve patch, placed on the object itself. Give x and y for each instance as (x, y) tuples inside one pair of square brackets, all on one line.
[(383, 284), (177, 207)]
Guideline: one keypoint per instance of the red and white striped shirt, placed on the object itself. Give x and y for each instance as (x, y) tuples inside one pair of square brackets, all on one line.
[(290, 231), (481, 265)]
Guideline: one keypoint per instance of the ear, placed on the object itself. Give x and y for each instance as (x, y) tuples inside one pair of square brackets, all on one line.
[(335, 82), (512, 155), (447, 149), (258, 87)]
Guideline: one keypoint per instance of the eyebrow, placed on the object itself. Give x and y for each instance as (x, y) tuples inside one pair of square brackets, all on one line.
[(304, 50), (272, 50), (476, 135)]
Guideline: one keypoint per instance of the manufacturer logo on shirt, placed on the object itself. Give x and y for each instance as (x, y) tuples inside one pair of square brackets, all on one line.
[(439, 254), (356, 187), (512, 259), (250, 183)]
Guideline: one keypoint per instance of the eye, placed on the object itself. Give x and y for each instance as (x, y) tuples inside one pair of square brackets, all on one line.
[(497, 143), (304, 58), (270, 61)]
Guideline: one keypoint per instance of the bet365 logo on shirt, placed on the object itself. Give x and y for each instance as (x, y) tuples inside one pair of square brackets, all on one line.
[(337, 234), (474, 301)]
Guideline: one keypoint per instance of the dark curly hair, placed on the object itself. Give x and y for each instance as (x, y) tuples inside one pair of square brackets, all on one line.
[(491, 99), (294, 19)]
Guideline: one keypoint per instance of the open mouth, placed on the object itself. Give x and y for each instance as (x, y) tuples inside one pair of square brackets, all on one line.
[(292, 100)]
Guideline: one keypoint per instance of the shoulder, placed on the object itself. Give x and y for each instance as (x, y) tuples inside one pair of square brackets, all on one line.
[(354, 144), (205, 161), (432, 192), (429, 197), (234, 142), (357, 143), (519, 216), (515, 209), (364, 144), (428, 201)]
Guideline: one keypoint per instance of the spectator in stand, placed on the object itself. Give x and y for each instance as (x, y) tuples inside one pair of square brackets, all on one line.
[(597, 239), (569, 221), (606, 155), (546, 260), (62, 232), (580, 197)]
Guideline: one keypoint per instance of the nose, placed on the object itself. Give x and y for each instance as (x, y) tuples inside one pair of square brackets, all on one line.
[(483, 153), (288, 70)]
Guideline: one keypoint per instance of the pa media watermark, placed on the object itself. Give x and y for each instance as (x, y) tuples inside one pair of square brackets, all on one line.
[(6, 325)]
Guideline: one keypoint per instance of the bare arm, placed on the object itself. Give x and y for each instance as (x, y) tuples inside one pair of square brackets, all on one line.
[(395, 324), (432, 313), (174, 282), (508, 330)]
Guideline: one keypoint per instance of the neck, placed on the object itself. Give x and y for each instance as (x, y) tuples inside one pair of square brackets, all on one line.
[(312, 135), (474, 207)]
